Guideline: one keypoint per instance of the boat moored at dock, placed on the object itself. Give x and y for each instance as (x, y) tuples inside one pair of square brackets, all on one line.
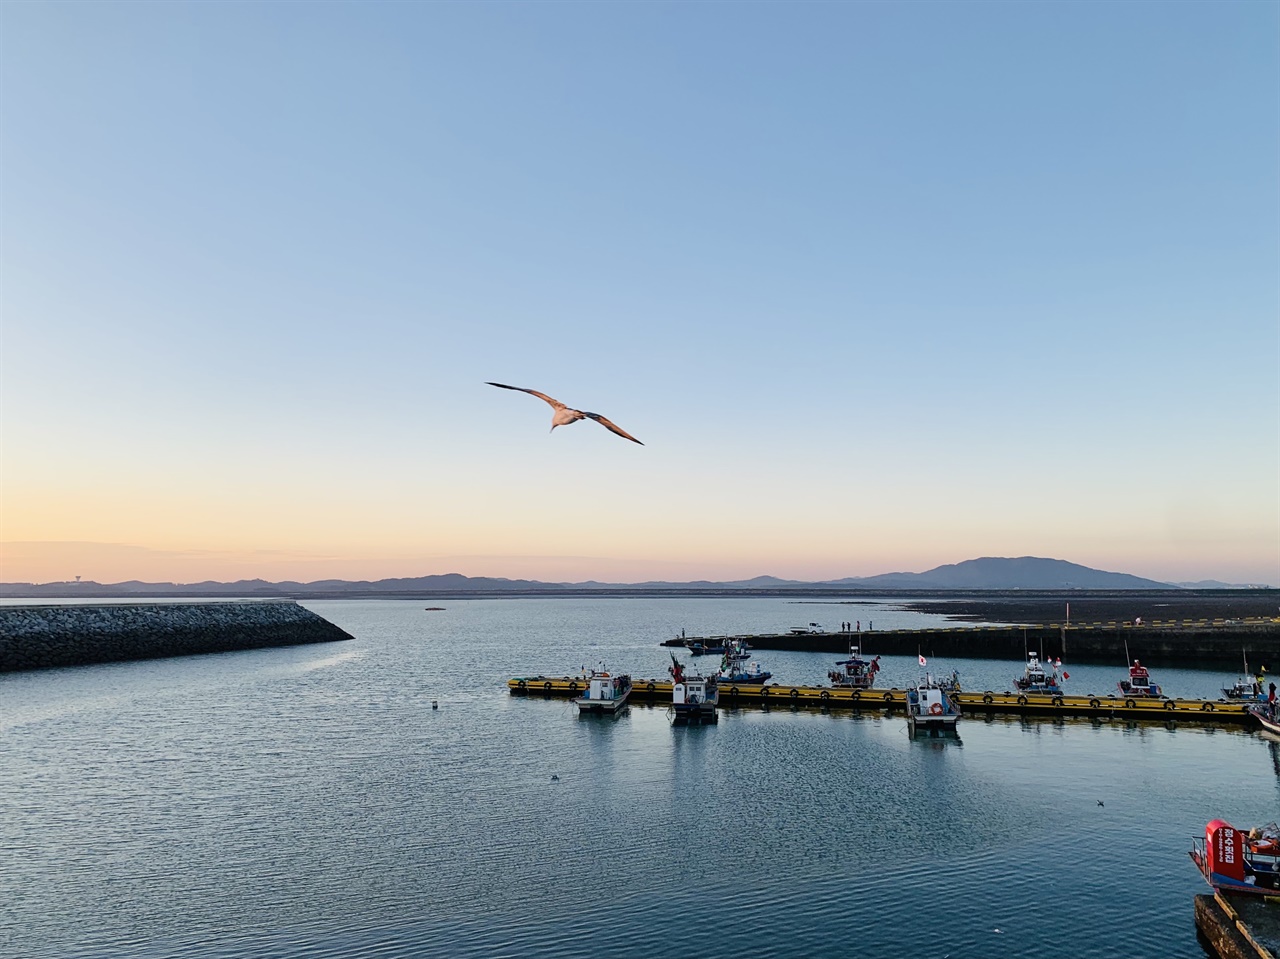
[(1237, 861), (1248, 686), (855, 672), (1244, 688), (605, 693), (734, 667), (1266, 715), (657, 691), (1037, 679), (1139, 683), (931, 709), (693, 696)]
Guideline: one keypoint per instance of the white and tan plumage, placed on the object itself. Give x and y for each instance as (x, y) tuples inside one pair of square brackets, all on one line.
[(564, 415)]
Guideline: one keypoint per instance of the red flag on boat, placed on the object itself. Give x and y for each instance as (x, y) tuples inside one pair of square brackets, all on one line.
[(1065, 674)]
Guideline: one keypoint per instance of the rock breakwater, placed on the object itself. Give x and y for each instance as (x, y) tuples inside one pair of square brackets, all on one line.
[(43, 637)]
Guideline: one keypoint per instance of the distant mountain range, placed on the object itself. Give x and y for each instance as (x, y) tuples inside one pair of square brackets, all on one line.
[(1026, 572)]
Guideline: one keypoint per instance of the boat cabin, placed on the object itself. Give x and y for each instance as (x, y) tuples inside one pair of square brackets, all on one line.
[(929, 701), (930, 709), (1244, 689), (606, 692), (690, 691), (1035, 672), (1139, 682), (1037, 679), (604, 687)]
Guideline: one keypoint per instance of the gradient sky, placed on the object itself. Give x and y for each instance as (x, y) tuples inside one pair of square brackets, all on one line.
[(880, 286)]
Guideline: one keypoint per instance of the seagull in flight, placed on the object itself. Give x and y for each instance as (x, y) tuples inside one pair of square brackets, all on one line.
[(564, 415)]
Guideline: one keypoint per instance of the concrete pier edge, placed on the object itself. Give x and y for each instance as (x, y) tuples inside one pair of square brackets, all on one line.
[(1225, 931)]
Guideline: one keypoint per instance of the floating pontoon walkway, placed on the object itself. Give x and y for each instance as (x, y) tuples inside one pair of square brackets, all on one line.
[(1037, 704)]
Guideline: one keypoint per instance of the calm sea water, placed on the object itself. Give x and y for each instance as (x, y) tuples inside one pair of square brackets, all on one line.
[(309, 802)]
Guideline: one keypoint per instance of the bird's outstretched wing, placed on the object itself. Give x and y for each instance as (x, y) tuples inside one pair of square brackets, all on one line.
[(555, 404), (612, 427)]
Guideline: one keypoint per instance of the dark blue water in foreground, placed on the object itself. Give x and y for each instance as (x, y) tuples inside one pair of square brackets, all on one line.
[(308, 802)]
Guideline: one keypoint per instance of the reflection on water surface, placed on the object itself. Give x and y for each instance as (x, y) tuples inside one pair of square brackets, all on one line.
[(310, 802)]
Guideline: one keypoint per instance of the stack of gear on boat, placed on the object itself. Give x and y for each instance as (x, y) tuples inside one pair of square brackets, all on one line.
[(1265, 839)]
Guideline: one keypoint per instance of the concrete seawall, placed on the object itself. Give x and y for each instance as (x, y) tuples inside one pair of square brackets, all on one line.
[(1207, 645), (43, 637)]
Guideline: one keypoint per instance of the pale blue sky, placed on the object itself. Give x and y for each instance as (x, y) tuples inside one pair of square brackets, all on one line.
[(880, 286)]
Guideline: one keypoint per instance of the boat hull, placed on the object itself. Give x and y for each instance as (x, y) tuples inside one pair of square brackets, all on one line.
[(932, 725), (747, 679), (1264, 884), (695, 713), (586, 705), (1265, 718)]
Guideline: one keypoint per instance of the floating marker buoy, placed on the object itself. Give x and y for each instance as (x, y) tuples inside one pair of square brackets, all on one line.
[(434, 704)]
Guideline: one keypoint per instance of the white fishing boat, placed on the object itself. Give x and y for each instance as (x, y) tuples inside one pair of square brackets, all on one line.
[(606, 692), (693, 696), (1248, 686), (931, 709), (1037, 679)]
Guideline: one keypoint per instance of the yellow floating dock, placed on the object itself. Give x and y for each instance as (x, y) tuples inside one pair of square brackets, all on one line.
[(1038, 704)]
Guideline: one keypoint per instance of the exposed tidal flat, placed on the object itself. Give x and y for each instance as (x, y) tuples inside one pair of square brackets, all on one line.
[(308, 801)]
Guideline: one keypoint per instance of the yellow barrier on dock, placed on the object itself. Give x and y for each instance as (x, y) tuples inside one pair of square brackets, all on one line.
[(1037, 704)]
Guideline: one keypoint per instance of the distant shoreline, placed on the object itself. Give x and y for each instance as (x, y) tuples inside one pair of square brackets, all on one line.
[(974, 605)]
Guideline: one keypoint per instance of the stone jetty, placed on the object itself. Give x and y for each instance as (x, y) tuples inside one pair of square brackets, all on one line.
[(42, 637)]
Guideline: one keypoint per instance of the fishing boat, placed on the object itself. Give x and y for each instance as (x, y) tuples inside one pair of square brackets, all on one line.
[(1037, 679), (606, 692), (931, 710), (735, 668), (1234, 860), (949, 684), (1139, 682), (699, 648), (1248, 686), (693, 697), (1265, 713), (855, 672)]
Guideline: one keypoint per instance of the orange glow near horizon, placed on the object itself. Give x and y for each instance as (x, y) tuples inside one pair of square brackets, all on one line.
[(45, 562)]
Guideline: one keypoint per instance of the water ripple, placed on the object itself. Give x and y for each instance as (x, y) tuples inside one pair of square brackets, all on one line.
[(285, 803)]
